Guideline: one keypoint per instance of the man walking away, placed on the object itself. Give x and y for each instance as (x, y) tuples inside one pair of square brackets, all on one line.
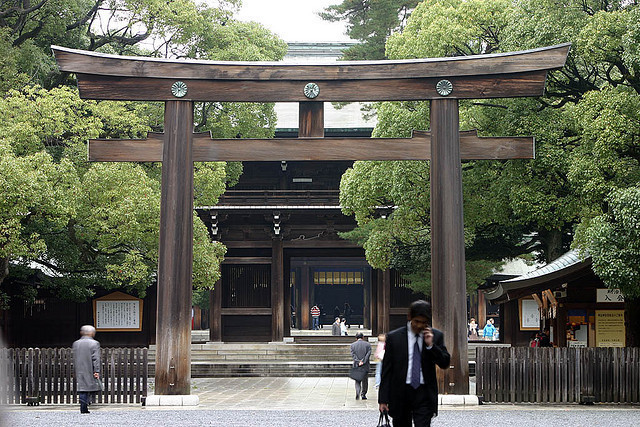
[(409, 389), (86, 361), (335, 327), (360, 353)]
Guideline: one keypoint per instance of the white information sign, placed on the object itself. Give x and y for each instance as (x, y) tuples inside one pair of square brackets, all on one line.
[(117, 314), (577, 344), (609, 295), (530, 315)]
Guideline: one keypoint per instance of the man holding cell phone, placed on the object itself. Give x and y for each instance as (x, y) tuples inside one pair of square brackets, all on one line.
[(409, 389)]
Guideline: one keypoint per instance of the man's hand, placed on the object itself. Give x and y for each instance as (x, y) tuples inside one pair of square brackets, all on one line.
[(96, 375), (384, 407), (428, 337), (360, 363)]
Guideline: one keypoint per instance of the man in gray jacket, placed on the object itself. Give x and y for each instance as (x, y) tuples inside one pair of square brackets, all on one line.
[(335, 328), (361, 352), (86, 361)]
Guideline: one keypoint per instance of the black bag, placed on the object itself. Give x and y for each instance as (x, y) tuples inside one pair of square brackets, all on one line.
[(383, 421), (358, 373)]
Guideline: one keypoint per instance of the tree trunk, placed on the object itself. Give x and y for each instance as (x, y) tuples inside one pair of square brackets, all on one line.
[(553, 241), (632, 321), (4, 268)]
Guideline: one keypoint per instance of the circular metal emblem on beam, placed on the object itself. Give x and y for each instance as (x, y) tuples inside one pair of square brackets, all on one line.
[(444, 87), (179, 89), (311, 90)]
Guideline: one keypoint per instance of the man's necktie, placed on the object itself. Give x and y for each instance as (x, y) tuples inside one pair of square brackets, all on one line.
[(415, 364)]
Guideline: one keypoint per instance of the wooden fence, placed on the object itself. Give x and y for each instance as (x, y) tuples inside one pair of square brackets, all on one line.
[(46, 375), (558, 375)]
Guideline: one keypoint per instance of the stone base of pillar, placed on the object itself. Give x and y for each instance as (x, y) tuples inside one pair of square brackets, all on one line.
[(172, 400), (458, 400)]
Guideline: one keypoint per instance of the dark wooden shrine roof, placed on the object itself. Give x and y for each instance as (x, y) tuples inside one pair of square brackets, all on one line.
[(568, 267)]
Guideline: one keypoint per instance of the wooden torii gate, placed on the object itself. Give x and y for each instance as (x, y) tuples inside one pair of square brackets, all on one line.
[(179, 83)]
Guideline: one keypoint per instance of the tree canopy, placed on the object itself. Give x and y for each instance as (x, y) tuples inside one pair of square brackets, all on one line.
[(586, 129), (370, 22), (90, 226)]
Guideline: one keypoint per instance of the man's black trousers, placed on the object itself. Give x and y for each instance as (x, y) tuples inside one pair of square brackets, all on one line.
[(416, 407)]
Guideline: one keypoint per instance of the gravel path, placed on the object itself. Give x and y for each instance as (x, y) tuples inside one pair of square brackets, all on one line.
[(511, 416)]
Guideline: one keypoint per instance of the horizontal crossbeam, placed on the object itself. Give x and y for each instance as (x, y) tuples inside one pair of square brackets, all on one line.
[(469, 87), (418, 147)]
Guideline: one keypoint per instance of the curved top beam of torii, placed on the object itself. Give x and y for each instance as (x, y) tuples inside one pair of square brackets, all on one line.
[(80, 61), (103, 76)]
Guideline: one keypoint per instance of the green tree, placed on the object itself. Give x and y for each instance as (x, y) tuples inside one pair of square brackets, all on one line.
[(370, 22), (91, 226), (402, 240), (451, 28), (35, 189), (177, 29), (613, 242), (96, 225), (602, 80), (524, 206)]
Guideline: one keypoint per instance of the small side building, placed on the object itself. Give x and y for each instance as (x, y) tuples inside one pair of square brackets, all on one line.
[(565, 296)]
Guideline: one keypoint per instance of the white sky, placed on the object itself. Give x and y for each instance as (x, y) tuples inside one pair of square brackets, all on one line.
[(298, 21), (294, 20)]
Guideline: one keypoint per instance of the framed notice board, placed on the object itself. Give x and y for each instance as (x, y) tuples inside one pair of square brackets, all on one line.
[(610, 329), (529, 314), (117, 312)]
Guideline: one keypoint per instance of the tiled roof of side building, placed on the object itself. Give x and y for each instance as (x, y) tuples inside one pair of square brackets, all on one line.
[(567, 260)]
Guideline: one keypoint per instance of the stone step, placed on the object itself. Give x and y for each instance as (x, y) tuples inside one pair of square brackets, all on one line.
[(275, 369), (276, 351), (339, 350), (199, 336), (263, 346), (268, 349), (326, 331), (215, 359), (277, 357), (263, 358), (202, 336), (286, 351), (272, 369), (471, 350), (329, 339), (235, 358)]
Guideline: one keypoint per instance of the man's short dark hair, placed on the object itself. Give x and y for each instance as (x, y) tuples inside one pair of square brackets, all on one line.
[(359, 335), (420, 308)]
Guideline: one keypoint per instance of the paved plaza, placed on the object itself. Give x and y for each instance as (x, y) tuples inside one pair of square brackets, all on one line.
[(308, 402)]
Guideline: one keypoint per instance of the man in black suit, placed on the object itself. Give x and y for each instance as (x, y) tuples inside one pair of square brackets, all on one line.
[(409, 389)]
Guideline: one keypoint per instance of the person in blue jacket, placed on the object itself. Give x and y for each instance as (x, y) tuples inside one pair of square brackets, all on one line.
[(489, 330)]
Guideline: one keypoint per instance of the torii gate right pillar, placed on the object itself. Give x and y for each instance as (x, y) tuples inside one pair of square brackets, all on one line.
[(448, 284)]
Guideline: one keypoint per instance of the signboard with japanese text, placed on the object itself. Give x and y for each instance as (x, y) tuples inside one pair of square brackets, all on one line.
[(609, 295), (610, 328), (529, 315), (117, 312)]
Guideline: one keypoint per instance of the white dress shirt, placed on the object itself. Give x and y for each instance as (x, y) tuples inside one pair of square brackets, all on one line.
[(411, 340)]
